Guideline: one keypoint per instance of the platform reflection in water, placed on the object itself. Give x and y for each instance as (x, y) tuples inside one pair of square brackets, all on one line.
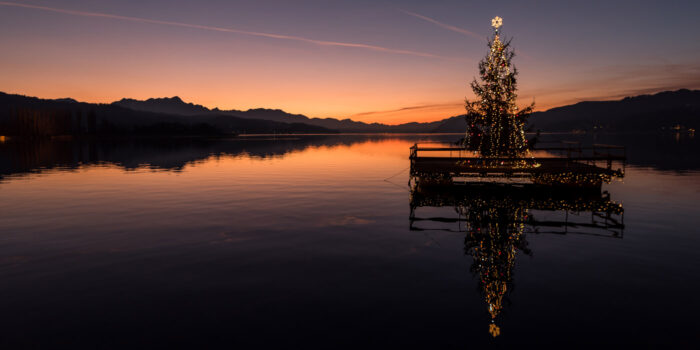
[(496, 218)]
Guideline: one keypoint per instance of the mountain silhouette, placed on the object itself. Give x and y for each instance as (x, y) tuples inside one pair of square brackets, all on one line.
[(660, 111), (31, 116), (34, 117), (174, 105), (664, 110)]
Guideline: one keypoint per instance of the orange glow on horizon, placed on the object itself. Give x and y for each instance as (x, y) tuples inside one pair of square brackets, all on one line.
[(102, 57), (399, 115)]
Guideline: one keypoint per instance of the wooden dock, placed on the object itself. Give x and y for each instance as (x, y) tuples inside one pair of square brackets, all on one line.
[(568, 164)]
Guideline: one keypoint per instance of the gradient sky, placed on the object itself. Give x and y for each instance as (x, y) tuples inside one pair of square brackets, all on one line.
[(388, 61)]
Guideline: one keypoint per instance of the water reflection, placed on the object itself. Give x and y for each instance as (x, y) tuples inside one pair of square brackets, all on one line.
[(660, 151), (495, 219), (304, 240), (172, 154)]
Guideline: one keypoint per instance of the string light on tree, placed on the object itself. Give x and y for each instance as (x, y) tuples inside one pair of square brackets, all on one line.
[(495, 126)]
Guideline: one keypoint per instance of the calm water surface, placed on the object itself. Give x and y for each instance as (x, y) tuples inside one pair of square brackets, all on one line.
[(308, 242)]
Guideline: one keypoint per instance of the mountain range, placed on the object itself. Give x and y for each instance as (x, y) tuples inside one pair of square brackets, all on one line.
[(678, 109), (22, 115), (640, 113), (176, 106)]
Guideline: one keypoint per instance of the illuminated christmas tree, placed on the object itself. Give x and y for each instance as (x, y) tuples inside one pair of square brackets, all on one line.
[(495, 126)]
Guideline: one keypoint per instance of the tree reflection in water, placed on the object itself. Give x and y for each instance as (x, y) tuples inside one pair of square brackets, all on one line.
[(495, 219)]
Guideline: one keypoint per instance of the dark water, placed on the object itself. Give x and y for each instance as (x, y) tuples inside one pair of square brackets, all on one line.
[(309, 242)]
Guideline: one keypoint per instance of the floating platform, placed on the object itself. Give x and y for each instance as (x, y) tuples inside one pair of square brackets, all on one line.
[(568, 165)]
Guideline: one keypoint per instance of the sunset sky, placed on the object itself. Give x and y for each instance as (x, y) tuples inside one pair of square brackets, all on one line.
[(386, 61)]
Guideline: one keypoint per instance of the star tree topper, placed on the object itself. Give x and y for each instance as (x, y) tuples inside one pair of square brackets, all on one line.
[(496, 22)]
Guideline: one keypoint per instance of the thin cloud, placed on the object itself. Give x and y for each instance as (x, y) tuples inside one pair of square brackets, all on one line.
[(445, 25), (226, 30), (409, 108)]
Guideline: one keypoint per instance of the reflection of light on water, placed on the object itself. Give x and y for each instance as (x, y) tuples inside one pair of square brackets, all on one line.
[(494, 330), (495, 218)]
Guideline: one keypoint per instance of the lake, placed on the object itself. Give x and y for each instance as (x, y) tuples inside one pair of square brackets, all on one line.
[(318, 241)]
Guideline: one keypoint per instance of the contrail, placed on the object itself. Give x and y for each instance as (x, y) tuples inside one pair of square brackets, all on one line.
[(457, 29), (227, 30), (444, 25)]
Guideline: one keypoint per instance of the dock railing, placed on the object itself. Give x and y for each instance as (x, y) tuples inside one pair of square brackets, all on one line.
[(554, 157), (567, 150)]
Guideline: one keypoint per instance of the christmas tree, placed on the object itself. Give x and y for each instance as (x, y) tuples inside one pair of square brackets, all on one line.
[(495, 126)]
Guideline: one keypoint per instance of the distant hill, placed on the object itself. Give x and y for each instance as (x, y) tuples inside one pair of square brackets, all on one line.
[(31, 116), (664, 110), (23, 115), (175, 105), (660, 111)]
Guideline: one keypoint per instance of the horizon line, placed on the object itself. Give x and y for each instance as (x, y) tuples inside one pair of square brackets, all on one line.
[(616, 97)]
